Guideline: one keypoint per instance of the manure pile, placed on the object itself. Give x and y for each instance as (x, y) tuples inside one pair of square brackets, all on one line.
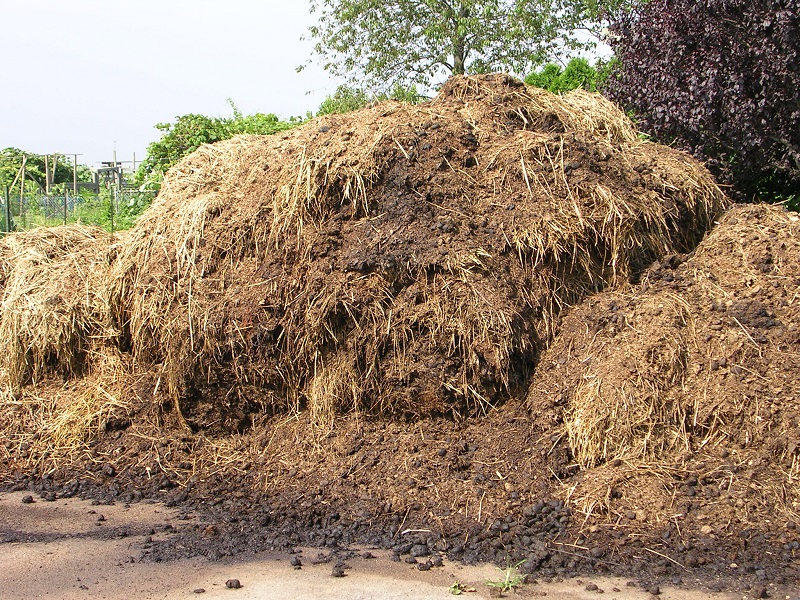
[(486, 317), (401, 260), (694, 369)]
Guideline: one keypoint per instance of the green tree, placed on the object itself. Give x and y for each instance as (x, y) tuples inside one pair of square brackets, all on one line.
[(387, 42), (11, 162)]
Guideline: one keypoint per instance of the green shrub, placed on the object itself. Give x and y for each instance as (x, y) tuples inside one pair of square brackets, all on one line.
[(577, 74), (346, 99)]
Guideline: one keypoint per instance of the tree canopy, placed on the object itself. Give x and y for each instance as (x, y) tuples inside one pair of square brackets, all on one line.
[(388, 42), (721, 79), (11, 161)]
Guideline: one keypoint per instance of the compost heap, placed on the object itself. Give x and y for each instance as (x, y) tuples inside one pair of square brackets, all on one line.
[(402, 259), (446, 314)]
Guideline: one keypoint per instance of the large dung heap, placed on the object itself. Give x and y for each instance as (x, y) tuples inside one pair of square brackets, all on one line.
[(400, 259), (492, 317)]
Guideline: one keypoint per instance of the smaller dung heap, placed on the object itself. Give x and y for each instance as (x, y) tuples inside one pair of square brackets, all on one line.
[(698, 361), (55, 315)]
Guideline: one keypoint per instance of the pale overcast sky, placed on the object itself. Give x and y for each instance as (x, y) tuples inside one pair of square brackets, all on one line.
[(80, 75)]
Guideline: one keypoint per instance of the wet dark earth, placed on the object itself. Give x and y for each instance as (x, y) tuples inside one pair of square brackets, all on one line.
[(230, 514)]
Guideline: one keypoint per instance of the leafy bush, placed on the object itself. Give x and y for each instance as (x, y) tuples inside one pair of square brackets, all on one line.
[(180, 138), (191, 131), (547, 78), (719, 78), (346, 99), (577, 74)]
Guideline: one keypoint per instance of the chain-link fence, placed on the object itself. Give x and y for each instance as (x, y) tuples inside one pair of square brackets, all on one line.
[(112, 209)]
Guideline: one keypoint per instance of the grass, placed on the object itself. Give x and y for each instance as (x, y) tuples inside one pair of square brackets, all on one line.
[(511, 579)]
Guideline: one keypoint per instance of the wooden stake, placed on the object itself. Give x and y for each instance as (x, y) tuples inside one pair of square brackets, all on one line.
[(22, 192), (47, 174), (8, 209)]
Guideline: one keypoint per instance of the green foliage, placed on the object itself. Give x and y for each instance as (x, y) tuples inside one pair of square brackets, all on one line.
[(97, 210), (577, 74), (511, 577), (719, 79), (191, 131), (11, 161), (776, 188), (344, 99), (547, 78), (401, 93), (420, 41), (112, 209), (347, 98)]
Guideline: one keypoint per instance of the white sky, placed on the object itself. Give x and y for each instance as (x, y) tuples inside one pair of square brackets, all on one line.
[(80, 75)]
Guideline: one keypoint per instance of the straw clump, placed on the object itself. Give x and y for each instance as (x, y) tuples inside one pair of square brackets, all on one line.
[(63, 379), (54, 313)]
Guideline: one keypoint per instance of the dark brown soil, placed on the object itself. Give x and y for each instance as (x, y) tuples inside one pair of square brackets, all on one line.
[(485, 489)]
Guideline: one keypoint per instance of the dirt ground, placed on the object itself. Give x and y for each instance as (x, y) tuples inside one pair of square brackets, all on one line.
[(77, 549)]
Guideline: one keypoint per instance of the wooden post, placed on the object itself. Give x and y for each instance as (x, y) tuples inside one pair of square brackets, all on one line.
[(111, 208), (53, 168), (47, 174), (22, 192), (66, 199), (74, 174)]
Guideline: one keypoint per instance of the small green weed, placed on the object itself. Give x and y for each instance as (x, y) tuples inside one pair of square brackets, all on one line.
[(511, 577), (459, 588)]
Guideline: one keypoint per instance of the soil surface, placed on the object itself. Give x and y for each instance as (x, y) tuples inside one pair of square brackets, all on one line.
[(77, 549), (488, 490)]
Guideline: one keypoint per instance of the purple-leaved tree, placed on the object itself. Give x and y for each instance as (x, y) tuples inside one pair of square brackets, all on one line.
[(721, 79)]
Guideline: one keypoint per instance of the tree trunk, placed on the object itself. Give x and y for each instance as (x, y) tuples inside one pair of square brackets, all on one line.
[(459, 41), (458, 58)]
